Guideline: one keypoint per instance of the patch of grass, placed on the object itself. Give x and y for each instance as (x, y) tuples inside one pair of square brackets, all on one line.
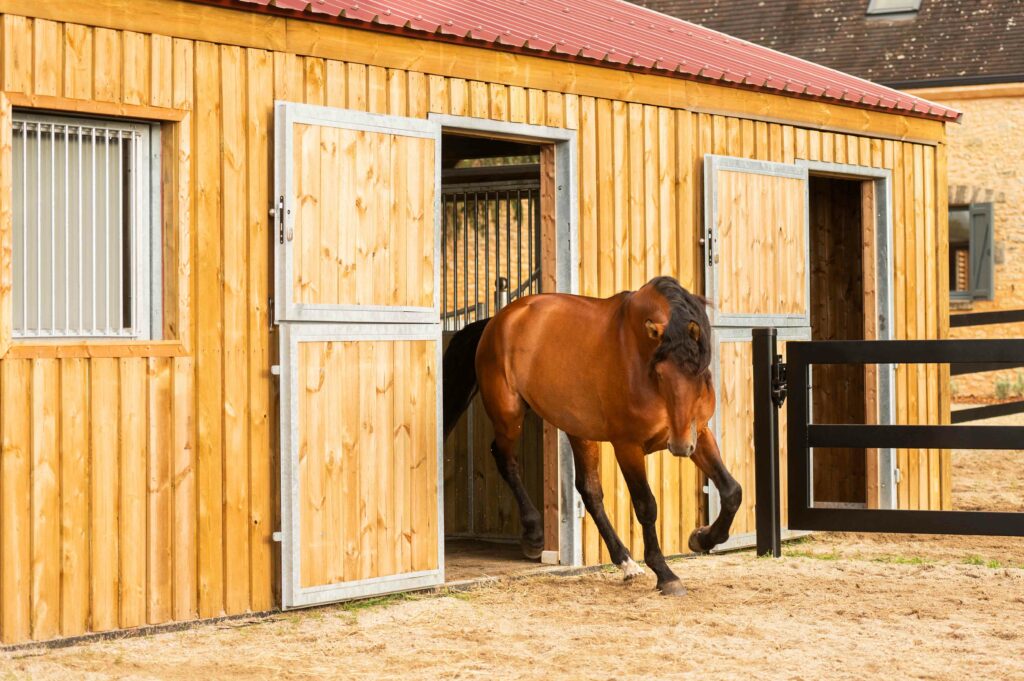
[(901, 560), (791, 553), (799, 541), (990, 563), (376, 602), (462, 595)]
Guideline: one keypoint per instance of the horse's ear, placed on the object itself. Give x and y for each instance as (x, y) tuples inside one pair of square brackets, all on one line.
[(654, 331), (694, 329)]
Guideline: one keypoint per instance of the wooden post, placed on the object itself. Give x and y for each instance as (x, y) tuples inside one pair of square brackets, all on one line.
[(549, 285), (869, 289)]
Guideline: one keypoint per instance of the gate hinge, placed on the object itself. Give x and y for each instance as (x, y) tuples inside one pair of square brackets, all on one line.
[(270, 310), (778, 382), (898, 475), (581, 510), (276, 536)]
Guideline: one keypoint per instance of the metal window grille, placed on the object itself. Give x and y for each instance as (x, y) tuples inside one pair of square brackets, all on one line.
[(491, 248), (83, 194)]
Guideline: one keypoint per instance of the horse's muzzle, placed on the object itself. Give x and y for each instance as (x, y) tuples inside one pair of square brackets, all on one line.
[(681, 450)]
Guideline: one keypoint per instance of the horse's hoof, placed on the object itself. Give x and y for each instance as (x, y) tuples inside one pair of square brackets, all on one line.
[(531, 551), (673, 588), (630, 570), (695, 544)]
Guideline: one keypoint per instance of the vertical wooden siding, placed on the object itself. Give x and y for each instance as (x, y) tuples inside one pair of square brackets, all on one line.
[(366, 510), (640, 215)]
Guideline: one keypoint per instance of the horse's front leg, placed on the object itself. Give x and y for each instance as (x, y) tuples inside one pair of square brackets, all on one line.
[(586, 455), (708, 459), (631, 461)]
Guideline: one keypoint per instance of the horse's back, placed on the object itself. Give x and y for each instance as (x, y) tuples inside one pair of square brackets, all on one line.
[(552, 350)]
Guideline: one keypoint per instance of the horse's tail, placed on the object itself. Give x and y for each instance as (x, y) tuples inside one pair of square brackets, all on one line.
[(458, 372)]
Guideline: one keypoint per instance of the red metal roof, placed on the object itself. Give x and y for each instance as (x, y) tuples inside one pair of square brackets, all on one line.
[(612, 33)]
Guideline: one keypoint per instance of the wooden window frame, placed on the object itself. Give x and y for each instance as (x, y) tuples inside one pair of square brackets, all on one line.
[(174, 222), (972, 294)]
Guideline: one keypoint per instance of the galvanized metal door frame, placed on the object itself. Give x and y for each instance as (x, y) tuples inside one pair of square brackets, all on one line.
[(286, 116), (736, 335), (882, 179), (567, 262), (713, 164), (293, 594)]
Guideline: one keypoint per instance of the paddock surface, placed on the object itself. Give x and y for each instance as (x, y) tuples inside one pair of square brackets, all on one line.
[(834, 607)]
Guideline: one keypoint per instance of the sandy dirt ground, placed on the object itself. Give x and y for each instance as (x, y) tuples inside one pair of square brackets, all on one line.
[(834, 607)]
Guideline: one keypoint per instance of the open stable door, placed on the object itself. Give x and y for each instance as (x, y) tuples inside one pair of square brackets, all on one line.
[(360, 340), (757, 274), (756, 236)]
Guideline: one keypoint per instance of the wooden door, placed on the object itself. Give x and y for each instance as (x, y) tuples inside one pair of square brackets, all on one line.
[(360, 346), (756, 231), (756, 275)]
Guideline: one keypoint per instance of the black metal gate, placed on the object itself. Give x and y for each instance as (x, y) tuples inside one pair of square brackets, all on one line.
[(773, 380)]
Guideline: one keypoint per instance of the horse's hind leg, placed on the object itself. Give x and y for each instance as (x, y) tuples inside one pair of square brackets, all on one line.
[(631, 461), (507, 417), (586, 455), (708, 459)]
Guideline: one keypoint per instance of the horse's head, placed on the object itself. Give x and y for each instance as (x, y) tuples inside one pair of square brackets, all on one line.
[(677, 327)]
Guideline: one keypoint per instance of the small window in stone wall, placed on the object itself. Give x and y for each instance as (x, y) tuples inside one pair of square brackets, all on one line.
[(971, 272)]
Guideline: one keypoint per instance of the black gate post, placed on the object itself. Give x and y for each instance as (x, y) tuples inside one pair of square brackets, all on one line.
[(769, 391)]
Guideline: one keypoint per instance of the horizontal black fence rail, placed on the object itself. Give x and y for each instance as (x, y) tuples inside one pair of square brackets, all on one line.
[(792, 381), (969, 319), (985, 318)]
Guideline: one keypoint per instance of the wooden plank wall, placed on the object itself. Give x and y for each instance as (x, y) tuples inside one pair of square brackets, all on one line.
[(640, 214)]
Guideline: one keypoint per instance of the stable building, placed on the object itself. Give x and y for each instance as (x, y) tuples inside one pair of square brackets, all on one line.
[(235, 235)]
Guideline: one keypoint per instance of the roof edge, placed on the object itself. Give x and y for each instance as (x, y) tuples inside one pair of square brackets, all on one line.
[(373, 27)]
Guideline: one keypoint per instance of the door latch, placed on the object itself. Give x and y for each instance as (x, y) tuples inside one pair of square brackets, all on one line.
[(778, 382), (279, 213)]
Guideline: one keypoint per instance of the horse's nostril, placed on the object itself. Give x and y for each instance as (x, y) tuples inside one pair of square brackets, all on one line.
[(684, 450)]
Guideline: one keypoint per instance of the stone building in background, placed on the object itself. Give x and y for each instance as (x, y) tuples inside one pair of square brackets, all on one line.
[(966, 54)]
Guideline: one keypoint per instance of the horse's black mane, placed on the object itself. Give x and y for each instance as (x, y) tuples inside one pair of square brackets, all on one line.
[(676, 342)]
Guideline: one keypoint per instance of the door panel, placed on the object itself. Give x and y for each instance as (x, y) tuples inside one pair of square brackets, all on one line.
[(734, 422), (361, 443), (756, 229), (367, 503), (756, 274), (358, 216), (360, 338)]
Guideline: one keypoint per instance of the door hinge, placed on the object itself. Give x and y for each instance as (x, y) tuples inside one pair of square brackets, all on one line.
[(581, 510), (276, 536), (897, 475), (270, 310)]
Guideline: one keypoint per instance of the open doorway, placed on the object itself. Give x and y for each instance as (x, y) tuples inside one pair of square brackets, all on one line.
[(848, 253), (837, 313), (492, 253)]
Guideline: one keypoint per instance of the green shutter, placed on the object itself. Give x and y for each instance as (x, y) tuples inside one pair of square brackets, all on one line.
[(982, 280)]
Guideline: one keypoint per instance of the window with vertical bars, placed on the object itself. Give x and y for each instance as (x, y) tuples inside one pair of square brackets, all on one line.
[(86, 258)]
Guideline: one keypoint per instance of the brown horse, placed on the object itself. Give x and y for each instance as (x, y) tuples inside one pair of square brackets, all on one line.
[(631, 370)]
